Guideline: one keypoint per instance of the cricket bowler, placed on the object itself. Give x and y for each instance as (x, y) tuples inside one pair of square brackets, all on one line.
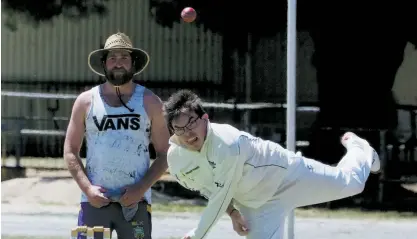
[(256, 182)]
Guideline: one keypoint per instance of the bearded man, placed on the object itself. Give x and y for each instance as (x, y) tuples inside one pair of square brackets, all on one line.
[(119, 120)]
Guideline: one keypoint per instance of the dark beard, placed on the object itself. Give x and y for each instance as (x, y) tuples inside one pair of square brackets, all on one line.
[(119, 79)]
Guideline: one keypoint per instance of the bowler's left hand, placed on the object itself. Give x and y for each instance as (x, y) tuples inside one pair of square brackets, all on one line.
[(190, 234), (131, 196)]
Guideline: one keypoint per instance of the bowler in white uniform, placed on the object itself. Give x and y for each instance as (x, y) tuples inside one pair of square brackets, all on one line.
[(256, 182)]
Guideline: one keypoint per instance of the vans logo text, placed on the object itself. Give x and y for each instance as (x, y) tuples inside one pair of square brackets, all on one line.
[(118, 122)]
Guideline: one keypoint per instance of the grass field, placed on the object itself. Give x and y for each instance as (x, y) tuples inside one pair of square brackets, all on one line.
[(174, 219), (28, 237), (307, 213), (46, 237), (299, 212)]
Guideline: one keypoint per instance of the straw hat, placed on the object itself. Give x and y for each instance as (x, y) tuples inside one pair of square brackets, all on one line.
[(118, 41)]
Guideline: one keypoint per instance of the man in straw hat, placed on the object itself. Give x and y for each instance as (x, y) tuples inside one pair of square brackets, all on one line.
[(119, 119)]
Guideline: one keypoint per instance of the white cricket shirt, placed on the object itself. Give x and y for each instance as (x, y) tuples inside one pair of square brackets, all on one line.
[(232, 164)]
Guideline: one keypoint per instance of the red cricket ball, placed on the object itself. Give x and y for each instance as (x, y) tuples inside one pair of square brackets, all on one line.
[(188, 14)]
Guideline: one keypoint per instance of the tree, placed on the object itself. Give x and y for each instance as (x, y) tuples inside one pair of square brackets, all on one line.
[(41, 11)]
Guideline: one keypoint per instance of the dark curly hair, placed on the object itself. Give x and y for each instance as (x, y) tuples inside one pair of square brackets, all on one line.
[(180, 100)]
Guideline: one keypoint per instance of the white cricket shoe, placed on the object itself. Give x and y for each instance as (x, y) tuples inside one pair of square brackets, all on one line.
[(350, 139)]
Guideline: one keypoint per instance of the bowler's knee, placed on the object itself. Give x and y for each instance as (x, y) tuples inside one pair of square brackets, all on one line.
[(354, 184)]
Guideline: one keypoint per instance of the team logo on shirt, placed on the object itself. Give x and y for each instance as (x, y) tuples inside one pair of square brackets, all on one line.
[(212, 164), (118, 122), (138, 232), (219, 185)]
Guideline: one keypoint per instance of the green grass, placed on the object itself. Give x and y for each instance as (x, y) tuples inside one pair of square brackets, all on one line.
[(307, 213), (354, 214), (30, 237), (46, 237), (176, 208), (303, 213)]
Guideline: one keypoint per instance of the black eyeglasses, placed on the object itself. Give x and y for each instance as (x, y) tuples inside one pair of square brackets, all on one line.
[(192, 123)]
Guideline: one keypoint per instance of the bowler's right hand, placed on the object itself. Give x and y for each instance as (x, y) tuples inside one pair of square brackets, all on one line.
[(96, 197), (239, 223)]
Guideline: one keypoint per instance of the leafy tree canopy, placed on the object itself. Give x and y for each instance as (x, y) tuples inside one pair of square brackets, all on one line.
[(39, 11)]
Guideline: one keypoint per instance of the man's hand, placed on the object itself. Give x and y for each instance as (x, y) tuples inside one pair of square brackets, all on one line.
[(131, 196), (96, 197), (239, 223), (190, 234)]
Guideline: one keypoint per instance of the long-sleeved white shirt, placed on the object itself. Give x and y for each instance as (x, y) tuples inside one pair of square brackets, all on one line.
[(232, 164)]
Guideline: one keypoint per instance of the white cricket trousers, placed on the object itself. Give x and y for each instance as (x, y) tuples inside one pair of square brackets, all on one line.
[(309, 182)]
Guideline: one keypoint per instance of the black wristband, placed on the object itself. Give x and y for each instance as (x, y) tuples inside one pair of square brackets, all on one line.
[(234, 209)]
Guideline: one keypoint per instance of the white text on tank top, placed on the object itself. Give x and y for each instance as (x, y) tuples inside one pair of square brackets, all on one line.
[(117, 141)]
